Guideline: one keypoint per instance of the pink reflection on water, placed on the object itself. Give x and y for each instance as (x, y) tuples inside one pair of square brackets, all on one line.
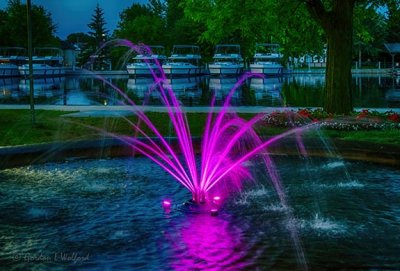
[(227, 143), (205, 242)]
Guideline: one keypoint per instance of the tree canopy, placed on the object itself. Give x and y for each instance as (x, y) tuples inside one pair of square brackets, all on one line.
[(13, 26)]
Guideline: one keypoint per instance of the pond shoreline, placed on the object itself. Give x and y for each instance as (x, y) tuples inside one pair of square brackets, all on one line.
[(16, 156)]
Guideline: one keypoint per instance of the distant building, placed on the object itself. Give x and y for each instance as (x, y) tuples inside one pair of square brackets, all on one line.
[(71, 53)]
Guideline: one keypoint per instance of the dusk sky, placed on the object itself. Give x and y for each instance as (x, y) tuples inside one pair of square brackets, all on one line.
[(74, 15)]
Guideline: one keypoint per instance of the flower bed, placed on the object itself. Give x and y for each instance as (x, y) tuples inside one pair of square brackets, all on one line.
[(364, 120)]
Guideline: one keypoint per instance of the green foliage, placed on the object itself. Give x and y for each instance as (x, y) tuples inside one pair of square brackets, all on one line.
[(233, 21), (148, 29), (369, 29), (4, 32), (139, 24), (13, 26), (298, 33), (289, 23), (393, 22)]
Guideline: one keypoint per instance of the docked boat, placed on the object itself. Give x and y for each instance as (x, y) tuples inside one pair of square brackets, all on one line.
[(47, 61), (227, 60), (267, 59), (10, 59), (184, 60), (146, 63)]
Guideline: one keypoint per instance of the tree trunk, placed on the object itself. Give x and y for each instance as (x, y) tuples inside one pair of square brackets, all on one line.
[(338, 94), (338, 26)]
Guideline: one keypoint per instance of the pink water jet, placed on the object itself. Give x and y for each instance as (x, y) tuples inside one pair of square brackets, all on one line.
[(227, 143)]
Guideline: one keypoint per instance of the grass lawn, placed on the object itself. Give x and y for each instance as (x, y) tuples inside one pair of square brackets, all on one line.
[(51, 126)]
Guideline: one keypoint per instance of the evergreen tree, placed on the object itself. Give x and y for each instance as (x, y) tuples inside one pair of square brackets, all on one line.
[(95, 58), (98, 32)]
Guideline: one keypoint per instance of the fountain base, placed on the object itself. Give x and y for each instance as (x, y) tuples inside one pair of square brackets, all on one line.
[(200, 208)]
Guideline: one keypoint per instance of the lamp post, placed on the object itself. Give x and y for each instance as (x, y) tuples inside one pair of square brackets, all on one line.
[(31, 89)]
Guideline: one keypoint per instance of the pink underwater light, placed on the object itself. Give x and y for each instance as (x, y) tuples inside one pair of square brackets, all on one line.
[(166, 204), (217, 200)]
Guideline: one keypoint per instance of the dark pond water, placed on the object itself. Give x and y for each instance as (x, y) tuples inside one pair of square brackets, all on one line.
[(297, 90), (106, 215)]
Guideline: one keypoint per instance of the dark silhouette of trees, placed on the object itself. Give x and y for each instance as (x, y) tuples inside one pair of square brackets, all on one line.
[(13, 26)]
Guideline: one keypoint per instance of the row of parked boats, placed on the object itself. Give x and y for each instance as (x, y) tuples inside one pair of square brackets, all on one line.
[(47, 61), (186, 60)]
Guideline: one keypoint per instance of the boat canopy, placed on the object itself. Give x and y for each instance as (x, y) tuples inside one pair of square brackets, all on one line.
[(393, 48), (186, 50), (152, 51)]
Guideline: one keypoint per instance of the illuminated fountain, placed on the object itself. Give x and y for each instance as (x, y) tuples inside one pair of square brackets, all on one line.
[(122, 211), (227, 143)]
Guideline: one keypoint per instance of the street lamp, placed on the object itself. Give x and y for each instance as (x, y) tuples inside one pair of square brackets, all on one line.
[(31, 89)]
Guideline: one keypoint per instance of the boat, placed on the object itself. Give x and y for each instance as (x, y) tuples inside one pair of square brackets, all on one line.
[(145, 63), (184, 60), (227, 60), (267, 59), (10, 59), (47, 61)]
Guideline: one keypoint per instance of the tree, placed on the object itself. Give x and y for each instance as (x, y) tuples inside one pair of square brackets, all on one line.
[(98, 32), (4, 32), (301, 26), (158, 7), (13, 26), (337, 22), (233, 21), (393, 22), (369, 31), (297, 34), (98, 36), (139, 23)]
